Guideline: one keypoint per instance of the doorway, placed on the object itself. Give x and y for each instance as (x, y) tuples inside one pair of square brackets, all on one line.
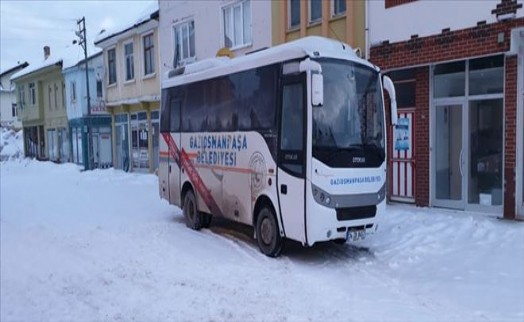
[(448, 156), (468, 155), (140, 142)]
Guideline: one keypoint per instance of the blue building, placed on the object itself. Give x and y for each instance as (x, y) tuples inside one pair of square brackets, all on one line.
[(78, 116)]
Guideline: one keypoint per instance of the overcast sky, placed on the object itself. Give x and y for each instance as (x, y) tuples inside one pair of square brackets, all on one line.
[(27, 26)]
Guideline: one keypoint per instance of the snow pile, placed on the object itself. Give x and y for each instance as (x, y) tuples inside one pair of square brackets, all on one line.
[(101, 246), (11, 144)]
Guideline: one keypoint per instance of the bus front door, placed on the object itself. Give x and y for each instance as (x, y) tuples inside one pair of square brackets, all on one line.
[(292, 157)]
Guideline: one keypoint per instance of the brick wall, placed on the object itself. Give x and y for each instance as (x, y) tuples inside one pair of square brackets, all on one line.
[(422, 137), (510, 145), (480, 40)]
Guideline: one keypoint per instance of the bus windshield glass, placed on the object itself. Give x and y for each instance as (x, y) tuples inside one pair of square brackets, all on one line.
[(348, 130)]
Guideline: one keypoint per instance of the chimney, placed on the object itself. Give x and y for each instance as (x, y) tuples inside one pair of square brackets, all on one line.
[(47, 52)]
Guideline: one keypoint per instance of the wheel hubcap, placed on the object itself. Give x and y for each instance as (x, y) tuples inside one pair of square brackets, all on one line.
[(266, 230)]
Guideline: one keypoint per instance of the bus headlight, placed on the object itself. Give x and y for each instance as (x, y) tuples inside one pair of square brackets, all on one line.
[(322, 197)]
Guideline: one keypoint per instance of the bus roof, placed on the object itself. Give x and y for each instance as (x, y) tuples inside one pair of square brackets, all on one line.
[(312, 46)]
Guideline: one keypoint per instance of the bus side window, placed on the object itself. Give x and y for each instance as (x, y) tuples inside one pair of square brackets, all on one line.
[(165, 113), (175, 115)]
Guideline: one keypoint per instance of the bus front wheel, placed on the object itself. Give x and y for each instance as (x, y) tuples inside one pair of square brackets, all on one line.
[(268, 237), (193, 217)]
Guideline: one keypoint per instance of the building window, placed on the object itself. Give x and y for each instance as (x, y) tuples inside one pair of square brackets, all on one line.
[(315, 11), (63, 95), (294, 14), (149, 57), (14, 112), (338, 7), (111, 61), (99, 88), (49, 96), (184, 41), (130, 64), (56, 96), (237, 24), (73, 92), (32, 93), (21, 96)]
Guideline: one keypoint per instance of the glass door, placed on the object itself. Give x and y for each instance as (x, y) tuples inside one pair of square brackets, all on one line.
[(449, 156), (140, 142)]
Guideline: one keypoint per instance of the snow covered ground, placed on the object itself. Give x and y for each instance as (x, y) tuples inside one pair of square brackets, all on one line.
[(11, 144), (101, 245)]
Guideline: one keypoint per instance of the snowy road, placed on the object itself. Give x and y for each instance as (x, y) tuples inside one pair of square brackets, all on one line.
[(101, 245)]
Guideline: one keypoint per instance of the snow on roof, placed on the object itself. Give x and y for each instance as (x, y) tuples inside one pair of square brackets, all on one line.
[(73, 62), (312, 46), (14, 68), (145, 16), (68, 56)]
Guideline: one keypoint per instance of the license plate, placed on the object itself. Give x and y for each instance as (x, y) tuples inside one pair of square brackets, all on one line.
[(356, 235)]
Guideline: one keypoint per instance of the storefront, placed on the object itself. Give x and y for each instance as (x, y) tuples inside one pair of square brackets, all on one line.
[(101, 138), (459, 93), (467, 134), (34, 142), (136, 140)]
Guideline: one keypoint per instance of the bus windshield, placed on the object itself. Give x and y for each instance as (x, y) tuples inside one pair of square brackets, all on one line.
[(348, 130)]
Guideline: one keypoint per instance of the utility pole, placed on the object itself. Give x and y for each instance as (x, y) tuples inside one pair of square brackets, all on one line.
[(81, 34)]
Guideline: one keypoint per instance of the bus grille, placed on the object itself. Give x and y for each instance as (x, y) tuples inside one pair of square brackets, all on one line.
[(352, 213)]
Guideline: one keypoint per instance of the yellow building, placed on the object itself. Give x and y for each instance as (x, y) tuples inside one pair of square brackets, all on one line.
[(343, 20), (132, 84)]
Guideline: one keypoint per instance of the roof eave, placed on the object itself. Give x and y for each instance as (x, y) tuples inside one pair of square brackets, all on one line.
[(153, 16)]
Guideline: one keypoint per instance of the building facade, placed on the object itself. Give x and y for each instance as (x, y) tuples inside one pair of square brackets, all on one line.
[(195, 30), (132, 91), (458, 71), (344, 20), (98, 120), (8, 106), (41, 102)]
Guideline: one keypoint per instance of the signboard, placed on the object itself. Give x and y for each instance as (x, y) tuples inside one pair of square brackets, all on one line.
[(401, 134), (98, 107)]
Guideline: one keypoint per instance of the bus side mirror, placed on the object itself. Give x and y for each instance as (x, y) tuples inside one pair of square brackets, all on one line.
[(390, 88), (317, 89)]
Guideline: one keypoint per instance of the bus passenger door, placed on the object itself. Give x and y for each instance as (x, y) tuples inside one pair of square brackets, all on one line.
[(174, 165), (292, 157)]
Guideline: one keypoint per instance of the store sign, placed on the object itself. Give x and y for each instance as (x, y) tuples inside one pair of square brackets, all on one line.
[(98, 107)]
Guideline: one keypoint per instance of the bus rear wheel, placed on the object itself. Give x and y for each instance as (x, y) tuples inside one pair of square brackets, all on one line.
[(268, 236), (194, 219)]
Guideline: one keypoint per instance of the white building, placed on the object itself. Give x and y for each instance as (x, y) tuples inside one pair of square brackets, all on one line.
[(199, 29), (8, 110)]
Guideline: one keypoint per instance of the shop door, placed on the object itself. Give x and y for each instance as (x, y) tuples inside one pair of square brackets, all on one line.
[(402, 180), (139, 140), (448, 153), (96, 150)]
